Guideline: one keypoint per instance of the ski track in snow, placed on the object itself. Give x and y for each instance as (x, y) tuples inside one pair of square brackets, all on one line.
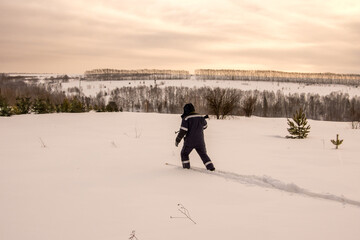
[(269, 182)]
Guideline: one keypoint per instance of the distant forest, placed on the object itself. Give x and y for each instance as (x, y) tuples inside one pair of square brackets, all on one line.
[(19, 97), (278, 76), (141, 74), (333, 107), (224, 74)]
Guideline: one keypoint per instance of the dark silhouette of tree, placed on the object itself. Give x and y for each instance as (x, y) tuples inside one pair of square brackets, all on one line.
[(222, 102)]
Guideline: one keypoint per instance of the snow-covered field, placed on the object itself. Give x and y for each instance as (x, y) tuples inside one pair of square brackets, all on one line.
[(103, 175), (91, 88)]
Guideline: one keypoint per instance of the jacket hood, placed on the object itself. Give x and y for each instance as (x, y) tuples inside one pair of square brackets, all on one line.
[(188, 109)]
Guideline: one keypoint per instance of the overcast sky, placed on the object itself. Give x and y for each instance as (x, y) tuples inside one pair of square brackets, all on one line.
[(72, 36)]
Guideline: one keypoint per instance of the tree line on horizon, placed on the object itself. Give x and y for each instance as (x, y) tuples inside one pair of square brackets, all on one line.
[(18, 97), (278, 76), (224, 74), (206, 74), (140, 74)]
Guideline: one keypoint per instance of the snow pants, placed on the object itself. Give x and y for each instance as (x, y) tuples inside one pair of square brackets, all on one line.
[(201, 150)]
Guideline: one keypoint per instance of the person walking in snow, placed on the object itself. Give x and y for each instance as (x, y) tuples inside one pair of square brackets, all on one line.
[(192, 130)]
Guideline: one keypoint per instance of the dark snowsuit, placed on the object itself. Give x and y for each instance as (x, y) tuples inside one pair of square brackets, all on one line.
[(192, 128)]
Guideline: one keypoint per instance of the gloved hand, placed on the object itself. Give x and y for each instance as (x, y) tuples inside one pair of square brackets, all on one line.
[(176, 143)]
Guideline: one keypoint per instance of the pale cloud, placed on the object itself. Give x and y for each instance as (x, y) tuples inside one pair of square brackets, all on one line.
[(74, 36)]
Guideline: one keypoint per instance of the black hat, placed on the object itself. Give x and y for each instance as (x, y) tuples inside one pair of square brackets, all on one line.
[(188, 108)]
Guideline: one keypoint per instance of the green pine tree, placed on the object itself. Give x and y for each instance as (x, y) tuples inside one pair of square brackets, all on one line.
[(76, 106), (23, 105), (298, 126), (42, 106), (112, 107), (5, 109), (65, 106)]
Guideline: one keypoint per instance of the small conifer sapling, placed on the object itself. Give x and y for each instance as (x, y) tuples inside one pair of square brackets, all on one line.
[(337, 142), (298, 126)]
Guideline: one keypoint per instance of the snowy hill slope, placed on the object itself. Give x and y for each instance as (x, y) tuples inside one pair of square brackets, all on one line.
[(101, 176)]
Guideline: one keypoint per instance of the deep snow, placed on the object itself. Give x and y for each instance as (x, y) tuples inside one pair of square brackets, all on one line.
[(103, 175)]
